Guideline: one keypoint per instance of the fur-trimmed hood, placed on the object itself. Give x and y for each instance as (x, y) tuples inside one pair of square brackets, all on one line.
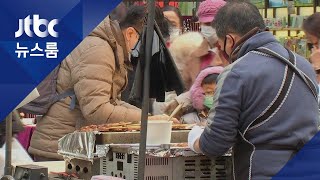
[(196, 91), (187, 50)]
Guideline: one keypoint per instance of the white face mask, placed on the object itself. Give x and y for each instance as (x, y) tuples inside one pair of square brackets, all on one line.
[(207, 31), (175, 32)]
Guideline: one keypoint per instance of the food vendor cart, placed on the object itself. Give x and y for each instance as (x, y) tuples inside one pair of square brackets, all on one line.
[(86, 156), (125, 154)]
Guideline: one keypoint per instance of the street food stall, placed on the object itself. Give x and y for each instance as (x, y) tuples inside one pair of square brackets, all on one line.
[(87, 154), (131, 150)]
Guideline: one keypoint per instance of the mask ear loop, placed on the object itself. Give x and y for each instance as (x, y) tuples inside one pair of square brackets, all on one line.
[(137, 32), (134, 50), (225, 44), (233, 42), (139, 39), (227, 57)]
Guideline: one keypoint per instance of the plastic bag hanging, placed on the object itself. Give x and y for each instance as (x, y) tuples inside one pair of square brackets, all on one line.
[(164, 75)]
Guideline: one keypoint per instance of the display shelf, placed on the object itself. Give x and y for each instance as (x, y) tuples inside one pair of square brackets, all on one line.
[(292, 29)]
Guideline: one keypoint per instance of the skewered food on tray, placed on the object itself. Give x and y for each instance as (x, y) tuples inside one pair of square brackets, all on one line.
[(126, 127)]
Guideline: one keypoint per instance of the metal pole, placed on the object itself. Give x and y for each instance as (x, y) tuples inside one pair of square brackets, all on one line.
[(8, 167), (146, 87)]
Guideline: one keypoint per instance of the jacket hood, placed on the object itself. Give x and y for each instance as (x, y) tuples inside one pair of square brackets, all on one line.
[(196, 91), (256, 41), (110, 31), (191, 45)]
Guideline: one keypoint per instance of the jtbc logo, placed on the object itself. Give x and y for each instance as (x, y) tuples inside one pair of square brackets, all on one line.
[(25, 27)]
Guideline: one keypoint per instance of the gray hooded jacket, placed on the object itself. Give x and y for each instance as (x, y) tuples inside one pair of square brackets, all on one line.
[(244, 91)]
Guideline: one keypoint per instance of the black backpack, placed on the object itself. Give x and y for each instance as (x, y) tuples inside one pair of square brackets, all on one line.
[(48, 87), (48, 95)]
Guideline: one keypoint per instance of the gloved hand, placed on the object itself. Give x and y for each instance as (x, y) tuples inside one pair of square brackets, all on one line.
[(193, 136)]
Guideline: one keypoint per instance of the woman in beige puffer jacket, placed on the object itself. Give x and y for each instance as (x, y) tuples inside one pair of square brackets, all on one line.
[(97, 71)]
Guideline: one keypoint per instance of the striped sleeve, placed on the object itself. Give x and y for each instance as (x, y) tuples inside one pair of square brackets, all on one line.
[(221, 131)]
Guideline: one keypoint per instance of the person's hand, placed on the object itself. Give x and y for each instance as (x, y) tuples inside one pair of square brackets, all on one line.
[(171, 106), (22, 115), (193, 137), (187, 107), (163, 117), (202, 123)]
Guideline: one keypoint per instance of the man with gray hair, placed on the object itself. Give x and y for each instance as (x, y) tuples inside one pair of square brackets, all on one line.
[(265, 102)]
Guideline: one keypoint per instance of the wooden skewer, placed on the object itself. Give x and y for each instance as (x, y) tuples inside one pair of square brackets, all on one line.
[(176, 110)]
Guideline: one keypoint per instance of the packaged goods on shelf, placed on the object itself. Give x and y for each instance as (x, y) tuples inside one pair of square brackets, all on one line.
[(281, 23), (303, 3), (276, 23), (259, 3), (278, 3)]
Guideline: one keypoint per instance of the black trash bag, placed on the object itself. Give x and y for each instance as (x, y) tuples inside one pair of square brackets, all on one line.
[(137, 56), (164, 75)]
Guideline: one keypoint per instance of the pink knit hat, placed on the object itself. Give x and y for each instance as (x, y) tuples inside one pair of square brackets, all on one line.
[(196, 91), (208, 9)]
